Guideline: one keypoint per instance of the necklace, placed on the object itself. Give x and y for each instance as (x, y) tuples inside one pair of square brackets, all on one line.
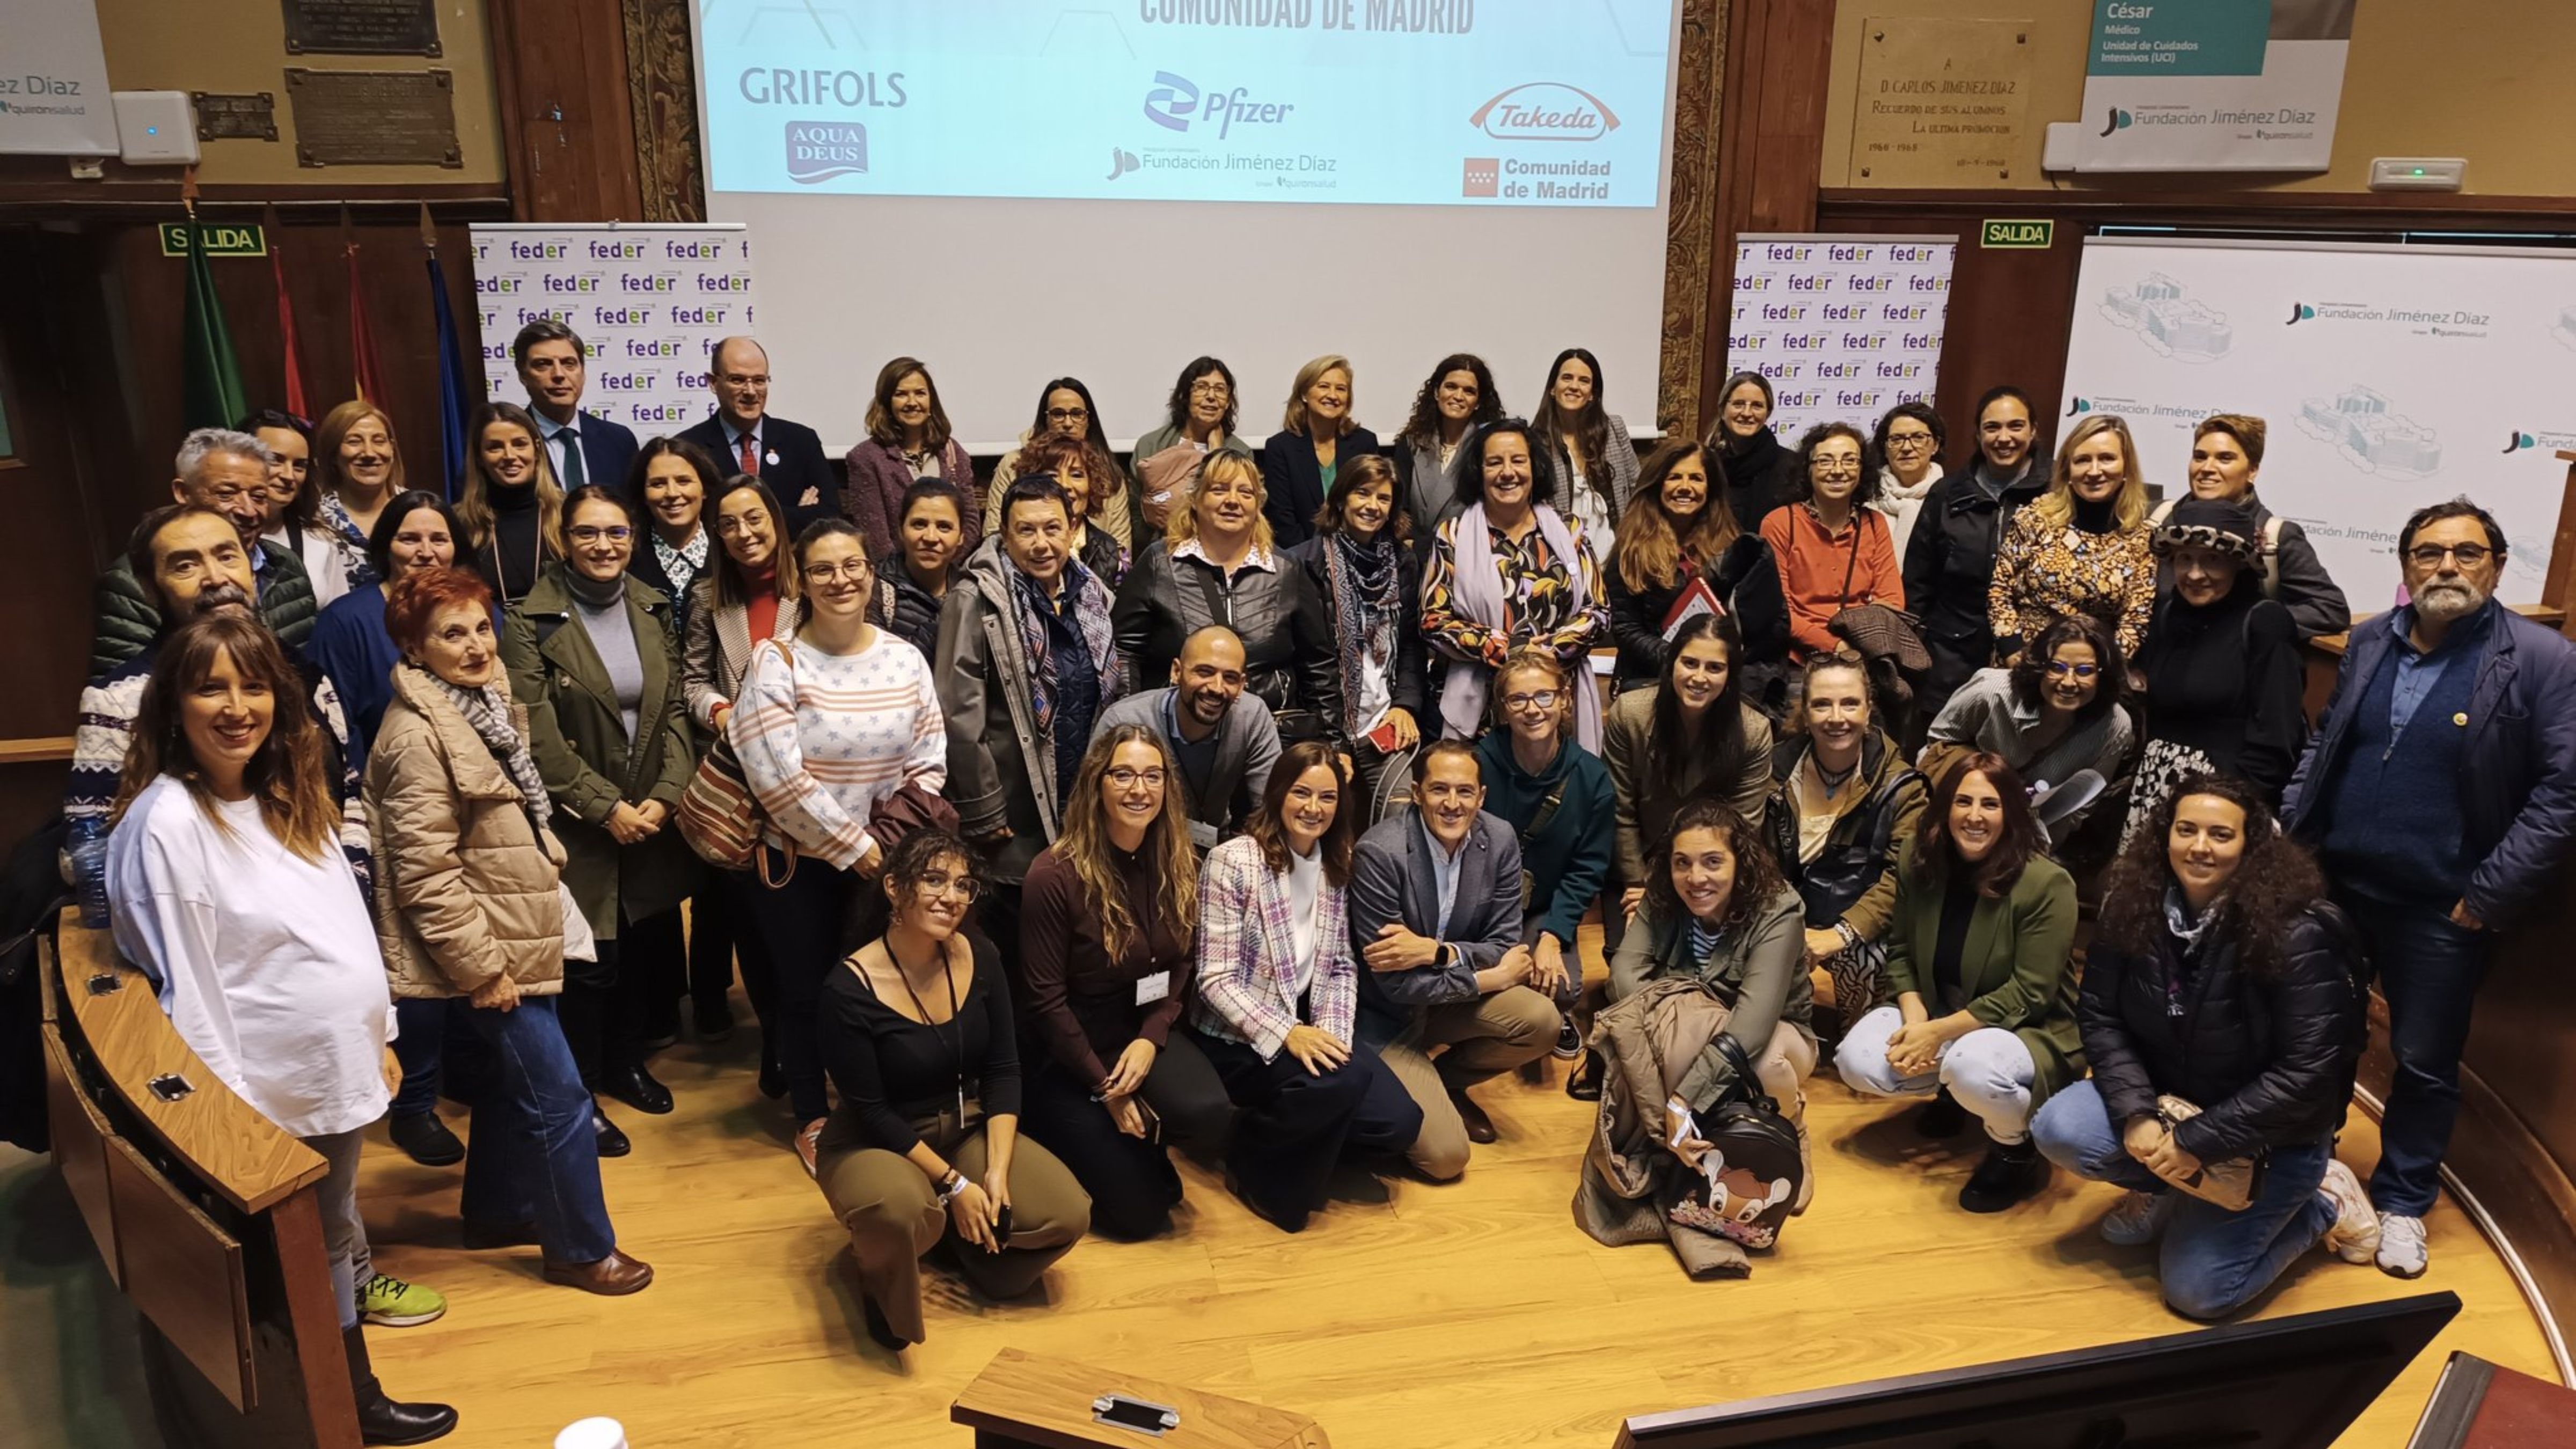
[(938, 1030), (1832, 780)]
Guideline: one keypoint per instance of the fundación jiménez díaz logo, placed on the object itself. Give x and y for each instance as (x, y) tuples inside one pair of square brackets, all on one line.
[(2118, 120), (1545, 111), (2517, 440), (821, 150)]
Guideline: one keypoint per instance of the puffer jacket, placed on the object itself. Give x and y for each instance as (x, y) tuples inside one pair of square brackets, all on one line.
[(1649, 1043), (1288, 655), (128, 622), (466, 885), (1949, 565), (2269, 1063)]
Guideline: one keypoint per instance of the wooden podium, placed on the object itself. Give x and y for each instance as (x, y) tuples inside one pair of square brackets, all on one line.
[(1021, 1401)]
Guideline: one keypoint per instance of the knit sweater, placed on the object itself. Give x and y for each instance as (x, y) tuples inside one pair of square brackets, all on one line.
[(826, 738)]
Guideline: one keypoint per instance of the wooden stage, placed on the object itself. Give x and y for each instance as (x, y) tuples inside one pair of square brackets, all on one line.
[(1410, 1316)]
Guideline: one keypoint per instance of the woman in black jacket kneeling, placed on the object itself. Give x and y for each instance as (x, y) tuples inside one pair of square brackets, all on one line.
[(2220, 976)]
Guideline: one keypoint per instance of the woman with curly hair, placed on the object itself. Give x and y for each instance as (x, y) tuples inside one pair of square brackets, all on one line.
[(1200, 423), (1431, 454), (1833, 550), (1679, 530), (1073, 464), (2223, 1015)]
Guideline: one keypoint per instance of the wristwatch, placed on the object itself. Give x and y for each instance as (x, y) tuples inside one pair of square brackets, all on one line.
[(951, 1185)]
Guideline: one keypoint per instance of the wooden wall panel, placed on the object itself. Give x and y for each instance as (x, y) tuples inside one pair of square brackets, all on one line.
[(567, 109)]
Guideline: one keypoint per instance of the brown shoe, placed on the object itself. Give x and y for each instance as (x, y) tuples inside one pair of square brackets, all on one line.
[(1480, 1128), (611, 1277)]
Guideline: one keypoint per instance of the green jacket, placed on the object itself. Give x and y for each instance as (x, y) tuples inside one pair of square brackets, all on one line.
[(128, 619), (579, 741), (2016, 966)]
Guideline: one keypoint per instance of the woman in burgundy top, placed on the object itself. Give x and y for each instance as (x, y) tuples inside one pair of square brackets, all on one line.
[(1107, 926)]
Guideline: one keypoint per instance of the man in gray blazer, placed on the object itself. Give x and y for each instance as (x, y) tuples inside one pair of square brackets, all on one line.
[(1435, 914), (1223, 739)]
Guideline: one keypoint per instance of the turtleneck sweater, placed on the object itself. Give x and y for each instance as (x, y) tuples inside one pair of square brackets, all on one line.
[(513, 556), (602, 606)]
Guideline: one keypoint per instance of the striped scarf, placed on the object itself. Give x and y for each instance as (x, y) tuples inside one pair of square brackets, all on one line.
[(488, 711), (1090, 604)]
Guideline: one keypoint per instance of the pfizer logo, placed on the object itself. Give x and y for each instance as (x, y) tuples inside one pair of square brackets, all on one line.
[(1545, 111), (821, 150)]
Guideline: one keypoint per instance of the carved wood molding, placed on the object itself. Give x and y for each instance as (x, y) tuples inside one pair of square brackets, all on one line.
[(661, 78), (1690, 243)]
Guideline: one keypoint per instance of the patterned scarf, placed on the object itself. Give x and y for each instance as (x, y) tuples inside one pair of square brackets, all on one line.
[(488, 711), (1367, 596), (348, 542), (1090, 604)]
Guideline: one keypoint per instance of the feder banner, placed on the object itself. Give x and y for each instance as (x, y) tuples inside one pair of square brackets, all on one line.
[(1845, 327), (2389, 378), (649, 302)]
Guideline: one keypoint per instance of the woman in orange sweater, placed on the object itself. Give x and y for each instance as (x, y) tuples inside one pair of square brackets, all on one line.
[(1832, 551)]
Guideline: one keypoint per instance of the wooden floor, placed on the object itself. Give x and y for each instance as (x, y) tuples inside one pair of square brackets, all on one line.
[(1410, 1317)]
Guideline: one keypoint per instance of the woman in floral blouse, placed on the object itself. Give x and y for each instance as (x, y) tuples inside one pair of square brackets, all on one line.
[(2082, 547), (1509, 570)]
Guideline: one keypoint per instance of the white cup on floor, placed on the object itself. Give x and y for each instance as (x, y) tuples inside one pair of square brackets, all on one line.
[(601, 1433)]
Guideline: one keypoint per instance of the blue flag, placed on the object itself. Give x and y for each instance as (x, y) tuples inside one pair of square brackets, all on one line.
[(454, 396)]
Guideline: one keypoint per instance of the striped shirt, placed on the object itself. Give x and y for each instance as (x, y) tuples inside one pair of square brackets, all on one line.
[(825, 738)]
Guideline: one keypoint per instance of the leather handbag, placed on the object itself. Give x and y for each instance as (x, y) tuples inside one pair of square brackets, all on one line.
[(2233, 1184), (1753, 1170), (1879, 632)]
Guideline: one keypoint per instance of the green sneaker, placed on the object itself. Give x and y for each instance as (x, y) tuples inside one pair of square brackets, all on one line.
[(397, 1304)]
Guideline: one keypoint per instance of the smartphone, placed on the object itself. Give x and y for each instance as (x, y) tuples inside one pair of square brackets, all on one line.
[(1002, 1227), (1129, 1413)]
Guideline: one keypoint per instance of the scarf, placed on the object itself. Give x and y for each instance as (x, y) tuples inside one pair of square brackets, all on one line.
[(347, 541), (1476, 591), (488, 711), (1366, 597), (1091, 614)]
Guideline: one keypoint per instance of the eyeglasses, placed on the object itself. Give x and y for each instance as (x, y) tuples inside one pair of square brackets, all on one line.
[(1211, 387), (745, 379), (1068, 415), (2430, 555), (852, 569), (937, 883), (593, 533), (2061, 668), (1127, 779), (1535, 699), (1835, 467), (1908, 440)]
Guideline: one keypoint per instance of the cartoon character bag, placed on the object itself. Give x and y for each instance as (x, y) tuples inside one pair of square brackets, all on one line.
[(1752, 1167)]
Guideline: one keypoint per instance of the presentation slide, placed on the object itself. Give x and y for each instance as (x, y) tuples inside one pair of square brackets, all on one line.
[(1503, 103)]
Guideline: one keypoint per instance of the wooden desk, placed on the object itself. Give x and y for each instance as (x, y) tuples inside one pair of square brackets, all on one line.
[(1022, 1401)]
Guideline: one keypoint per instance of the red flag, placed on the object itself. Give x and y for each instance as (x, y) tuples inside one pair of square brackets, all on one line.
[(362, 339), (285, 317)]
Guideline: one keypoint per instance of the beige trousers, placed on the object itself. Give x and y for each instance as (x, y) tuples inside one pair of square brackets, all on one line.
[(1484, 1037)]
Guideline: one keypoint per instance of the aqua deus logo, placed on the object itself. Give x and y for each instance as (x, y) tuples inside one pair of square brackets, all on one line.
[(2120, 120), (2300, 312), (821, 150)]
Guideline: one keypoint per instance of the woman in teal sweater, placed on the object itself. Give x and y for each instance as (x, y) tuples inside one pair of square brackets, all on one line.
[(1979, 952), (1556, 796)]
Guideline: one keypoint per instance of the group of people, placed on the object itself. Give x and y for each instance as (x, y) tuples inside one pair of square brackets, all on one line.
[(1250, 804)]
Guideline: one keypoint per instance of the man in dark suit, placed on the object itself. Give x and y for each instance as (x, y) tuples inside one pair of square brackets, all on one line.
[(1435, 914), (744, 439), (554, 366)]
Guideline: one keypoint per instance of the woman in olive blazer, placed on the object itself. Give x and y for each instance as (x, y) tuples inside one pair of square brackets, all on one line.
[(1979, 957)]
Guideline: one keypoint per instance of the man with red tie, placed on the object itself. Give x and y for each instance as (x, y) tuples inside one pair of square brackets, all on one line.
[(744, 438)]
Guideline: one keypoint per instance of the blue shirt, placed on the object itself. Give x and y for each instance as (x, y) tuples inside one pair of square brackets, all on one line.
[(2418, 672), (1444, 873)]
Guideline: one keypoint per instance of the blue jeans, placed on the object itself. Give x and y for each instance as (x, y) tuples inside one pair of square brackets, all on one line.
[(2429, 969), (530, 1155), (420, 1043), (2214, 1261)]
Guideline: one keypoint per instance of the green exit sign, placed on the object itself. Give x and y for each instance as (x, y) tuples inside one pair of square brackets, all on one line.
[(229, 239), (2034, 235)]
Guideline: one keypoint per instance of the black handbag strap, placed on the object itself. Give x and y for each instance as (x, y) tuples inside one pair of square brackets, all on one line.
[(1748, 1087), (1852, 562)]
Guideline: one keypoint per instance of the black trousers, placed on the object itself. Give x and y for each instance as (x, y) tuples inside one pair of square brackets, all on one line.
[(1132, 1185), (744, 900), (1291, 1125), (607, 1003), (712, 943), (806, 924)]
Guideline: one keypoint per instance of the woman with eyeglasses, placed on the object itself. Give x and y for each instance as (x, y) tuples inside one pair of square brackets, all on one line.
[(1950, 557), (1065, 410), (1199, 424), (924, 1149), (1556, 796), (829, 727), (2082, 548), (1107, 921), (1317, 436), (1908, 443), (591, 654), (509, 501), (2057, 711), (1832, 549)]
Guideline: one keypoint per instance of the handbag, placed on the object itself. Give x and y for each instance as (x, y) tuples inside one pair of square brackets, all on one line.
[(1754, 1172), (720, 817), (2233, 1184)]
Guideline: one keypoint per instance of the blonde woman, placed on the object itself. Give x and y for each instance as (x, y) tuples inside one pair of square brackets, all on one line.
[(1317, 435), (509, 501), (357, 468), (2082, 547)]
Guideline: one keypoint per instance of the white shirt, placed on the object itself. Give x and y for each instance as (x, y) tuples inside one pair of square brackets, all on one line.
[(1305, 897), (266, 962)]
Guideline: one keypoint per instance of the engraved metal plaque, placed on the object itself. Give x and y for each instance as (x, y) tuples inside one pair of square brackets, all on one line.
[(374, 117), (236, 117), (362, 27)]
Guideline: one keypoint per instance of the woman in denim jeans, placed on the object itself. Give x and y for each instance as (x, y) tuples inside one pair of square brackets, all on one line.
[(2221, 976)]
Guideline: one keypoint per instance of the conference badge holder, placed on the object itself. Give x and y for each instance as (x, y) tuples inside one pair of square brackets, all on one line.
[(1141, 1415)]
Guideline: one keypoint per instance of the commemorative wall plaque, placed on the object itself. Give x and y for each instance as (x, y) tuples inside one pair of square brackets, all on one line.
[(374, 117), (362, 27), (220, 117)]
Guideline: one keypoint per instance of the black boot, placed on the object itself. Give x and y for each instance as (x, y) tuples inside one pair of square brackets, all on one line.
[(380, 1419), (610, 1137), (425, 1139), (1941, 1117), (2012, 1171), (1583, 1083)]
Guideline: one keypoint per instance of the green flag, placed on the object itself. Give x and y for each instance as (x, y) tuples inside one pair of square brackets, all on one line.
[(210, 386)]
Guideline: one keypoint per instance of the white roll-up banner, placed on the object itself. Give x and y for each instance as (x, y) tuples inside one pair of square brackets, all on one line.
[(2389, 377), (53, 81), (1845, 327), (649, 303)]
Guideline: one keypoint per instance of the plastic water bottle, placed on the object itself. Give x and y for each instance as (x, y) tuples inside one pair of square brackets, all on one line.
[(86, 843), (601, 1433)]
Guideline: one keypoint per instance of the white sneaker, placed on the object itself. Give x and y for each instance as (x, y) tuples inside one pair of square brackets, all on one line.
[(2358, 1229), (2139, 1218), (2401, 1246)]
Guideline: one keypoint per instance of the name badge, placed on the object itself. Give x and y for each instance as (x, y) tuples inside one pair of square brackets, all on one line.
[(771, 458), (1150, 989), (1202, 836)]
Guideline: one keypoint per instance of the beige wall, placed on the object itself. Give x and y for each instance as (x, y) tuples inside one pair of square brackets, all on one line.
[(2481, 79), (240, 46)]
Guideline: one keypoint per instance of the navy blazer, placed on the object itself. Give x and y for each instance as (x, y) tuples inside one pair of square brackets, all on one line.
[(2517, 771), (802, 476), (607, 450), (1294, 480), (1392, 884)]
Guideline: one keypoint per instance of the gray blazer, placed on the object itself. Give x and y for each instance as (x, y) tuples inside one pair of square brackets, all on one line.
[(1392, 883), (718, 649), (1247, 746)]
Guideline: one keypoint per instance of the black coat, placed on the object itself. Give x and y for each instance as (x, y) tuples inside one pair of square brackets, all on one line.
[(1949, 561), (1294, 480), (1746, 581), (807, 485), (607, 451), (903, 608), (1408, 684), (2269, 1063), (1289, 658)]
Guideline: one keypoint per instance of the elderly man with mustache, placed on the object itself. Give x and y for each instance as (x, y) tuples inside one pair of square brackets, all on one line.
[(2441, 798)]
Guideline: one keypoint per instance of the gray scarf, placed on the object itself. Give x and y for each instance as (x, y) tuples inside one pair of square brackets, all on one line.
[(488, 711)]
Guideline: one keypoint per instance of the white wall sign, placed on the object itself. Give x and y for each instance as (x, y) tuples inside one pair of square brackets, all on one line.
[(1845, 327), (2390, 377), (2213, 85), (53, 81), (650, 302)]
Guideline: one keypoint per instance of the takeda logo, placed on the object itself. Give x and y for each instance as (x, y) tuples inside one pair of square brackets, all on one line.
[(821, 150), (1545, 111)]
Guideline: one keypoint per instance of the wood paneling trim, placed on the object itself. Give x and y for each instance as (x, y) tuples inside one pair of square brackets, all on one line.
[(2266, 208), (1690, 245)]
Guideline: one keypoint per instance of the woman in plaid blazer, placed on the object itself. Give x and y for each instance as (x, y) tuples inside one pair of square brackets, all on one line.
[(1277, 990)]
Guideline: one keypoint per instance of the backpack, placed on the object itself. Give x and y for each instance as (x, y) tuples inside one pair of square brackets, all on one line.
[(1753, 1171)]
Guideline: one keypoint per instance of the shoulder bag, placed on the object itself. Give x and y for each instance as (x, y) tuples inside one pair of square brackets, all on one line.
[(719, 816)]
